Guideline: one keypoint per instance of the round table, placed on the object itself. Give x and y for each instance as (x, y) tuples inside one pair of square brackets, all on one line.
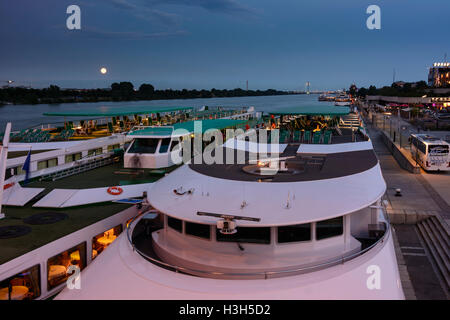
[(17, 293), (56, 271), (106, 240)]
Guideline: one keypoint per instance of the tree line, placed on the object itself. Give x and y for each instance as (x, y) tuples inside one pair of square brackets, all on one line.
[(122, 91), (397, 89)]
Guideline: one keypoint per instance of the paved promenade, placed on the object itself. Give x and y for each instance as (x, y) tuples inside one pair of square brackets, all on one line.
[(419, 198)]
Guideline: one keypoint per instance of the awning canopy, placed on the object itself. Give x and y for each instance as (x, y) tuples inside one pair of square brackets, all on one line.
[(114, 112), (314, 111), (189, 126)]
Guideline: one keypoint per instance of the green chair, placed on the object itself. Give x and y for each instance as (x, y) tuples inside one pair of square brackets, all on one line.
[(316, 137), (284, 136), (110, 127), (327, 137), (297, 135), (307, 136)]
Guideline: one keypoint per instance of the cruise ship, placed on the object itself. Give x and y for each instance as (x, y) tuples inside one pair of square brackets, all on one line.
[(60, 217), (296, 214), (87, 139)]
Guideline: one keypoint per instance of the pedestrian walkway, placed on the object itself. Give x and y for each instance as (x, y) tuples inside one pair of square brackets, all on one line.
[(418, 200)]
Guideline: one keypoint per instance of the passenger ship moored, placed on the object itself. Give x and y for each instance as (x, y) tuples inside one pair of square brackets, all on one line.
[(305, 222)]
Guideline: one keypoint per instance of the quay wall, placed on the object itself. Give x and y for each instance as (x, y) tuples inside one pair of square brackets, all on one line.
[(403, 159)]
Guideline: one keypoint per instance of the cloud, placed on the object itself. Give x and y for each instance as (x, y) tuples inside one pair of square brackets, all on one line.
[(221, 6), (101, 34)]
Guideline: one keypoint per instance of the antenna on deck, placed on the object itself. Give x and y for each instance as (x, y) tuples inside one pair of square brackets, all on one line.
[(227, 225)]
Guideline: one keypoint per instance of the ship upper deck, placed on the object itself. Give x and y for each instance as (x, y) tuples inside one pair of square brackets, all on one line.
[(76, 217), (301, 183)]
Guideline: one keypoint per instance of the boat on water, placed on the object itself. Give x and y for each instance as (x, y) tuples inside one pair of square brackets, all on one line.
[(326, 97), (342, 99), (57, 221), (279, 214), (92, 141)]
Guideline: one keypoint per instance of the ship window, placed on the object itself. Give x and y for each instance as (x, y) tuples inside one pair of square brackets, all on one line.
[(47, 163), (112, 147), (247, 235), (144, 146), (329, 228), (58, 266), (24, 285), (101, 241), (175, 143), (73, 157), (94, 152), (175, 224), (299, 232), (198, 230), (164, 145)]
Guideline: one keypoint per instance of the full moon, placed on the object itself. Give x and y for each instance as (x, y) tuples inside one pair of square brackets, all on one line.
[(103, 70)]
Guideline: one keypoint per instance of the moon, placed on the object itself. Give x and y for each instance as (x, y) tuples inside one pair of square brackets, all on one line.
[(103, 70)]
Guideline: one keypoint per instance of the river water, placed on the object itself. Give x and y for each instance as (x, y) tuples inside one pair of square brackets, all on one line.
[(25, 116)]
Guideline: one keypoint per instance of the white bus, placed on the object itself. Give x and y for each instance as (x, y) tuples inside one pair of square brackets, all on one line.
[(430, 152)]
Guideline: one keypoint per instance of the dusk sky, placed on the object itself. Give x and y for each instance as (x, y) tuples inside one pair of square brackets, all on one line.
[(221, 43)]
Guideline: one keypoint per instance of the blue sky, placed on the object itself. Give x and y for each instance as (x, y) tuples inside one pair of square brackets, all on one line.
[(221, 43)]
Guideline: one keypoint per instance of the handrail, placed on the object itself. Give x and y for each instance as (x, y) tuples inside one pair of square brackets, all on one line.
[(263, 274)]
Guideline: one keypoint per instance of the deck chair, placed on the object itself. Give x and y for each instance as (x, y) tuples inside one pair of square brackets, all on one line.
[(327, 137), (284, 136), (316, 137), (297, 135), (110, 127), (307, 136)]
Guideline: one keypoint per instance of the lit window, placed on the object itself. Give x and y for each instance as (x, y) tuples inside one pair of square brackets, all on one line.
[(22, 286), (58, 265), (101, 241)]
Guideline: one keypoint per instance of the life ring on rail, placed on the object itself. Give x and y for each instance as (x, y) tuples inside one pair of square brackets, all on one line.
[(8, 185), (115, 191)]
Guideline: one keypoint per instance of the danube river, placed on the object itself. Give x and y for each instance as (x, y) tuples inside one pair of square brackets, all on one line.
[(26, 116)]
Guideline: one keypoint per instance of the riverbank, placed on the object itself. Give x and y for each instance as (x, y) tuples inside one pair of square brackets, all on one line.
[(118, 93)]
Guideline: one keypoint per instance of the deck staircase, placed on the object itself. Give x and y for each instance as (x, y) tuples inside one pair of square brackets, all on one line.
[(434, 233), (349, 121), (77, 169)]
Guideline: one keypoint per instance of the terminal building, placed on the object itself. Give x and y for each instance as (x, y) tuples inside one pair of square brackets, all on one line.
[(439, 75)]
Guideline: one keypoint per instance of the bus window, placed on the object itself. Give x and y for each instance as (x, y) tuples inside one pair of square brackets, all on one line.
[(422, 147), (438, 149)]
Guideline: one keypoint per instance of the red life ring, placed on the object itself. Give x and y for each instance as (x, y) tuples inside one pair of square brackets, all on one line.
[(115, 191), (8, 185)]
